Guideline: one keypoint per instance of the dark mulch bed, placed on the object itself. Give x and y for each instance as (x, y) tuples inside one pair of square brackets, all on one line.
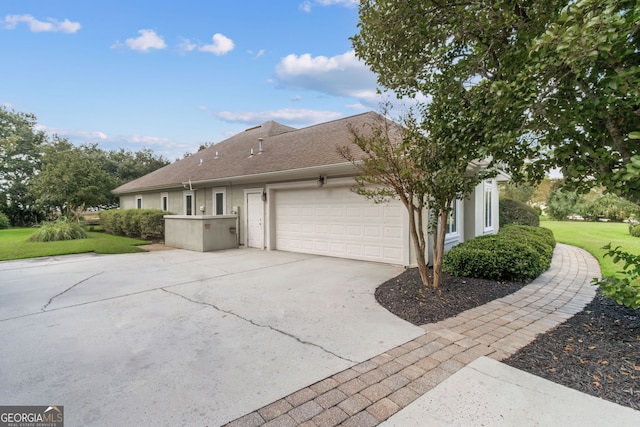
[(597, 351), (406, 296)]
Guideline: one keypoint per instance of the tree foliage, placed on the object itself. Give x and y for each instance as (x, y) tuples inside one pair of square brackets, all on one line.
[(40, 174), (559, 80), (520, 192), (425, 166), (20, 155), (73, 178), (581, 86)]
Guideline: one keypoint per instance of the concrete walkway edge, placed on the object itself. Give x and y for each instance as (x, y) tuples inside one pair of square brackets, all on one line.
[(372, 391)]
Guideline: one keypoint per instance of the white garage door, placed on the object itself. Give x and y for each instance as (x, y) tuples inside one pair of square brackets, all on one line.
[(337, 222)]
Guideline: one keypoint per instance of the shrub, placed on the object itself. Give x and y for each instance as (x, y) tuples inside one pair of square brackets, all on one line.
[(131, 223), (518, 253), (634, 230), (61, 229), (4, 221), (540, 238), (611, 207), (152, 224), (139, 223), (515, 212), (625, 287)]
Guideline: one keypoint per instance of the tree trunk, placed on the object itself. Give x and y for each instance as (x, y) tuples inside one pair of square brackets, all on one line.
[(438, 247), (419, 244)]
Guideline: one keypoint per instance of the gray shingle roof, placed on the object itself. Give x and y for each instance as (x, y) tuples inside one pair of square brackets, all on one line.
[(285, 148)]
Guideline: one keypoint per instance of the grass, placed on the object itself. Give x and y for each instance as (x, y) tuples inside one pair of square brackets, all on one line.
[(592, 236), (14, 244)]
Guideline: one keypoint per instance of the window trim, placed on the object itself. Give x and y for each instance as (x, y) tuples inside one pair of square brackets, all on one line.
[(163, 197), (215, 192), (185, 195), (454, 213), (488, 208)]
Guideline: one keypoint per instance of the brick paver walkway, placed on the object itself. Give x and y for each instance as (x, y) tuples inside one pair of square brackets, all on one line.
[(370, 392)]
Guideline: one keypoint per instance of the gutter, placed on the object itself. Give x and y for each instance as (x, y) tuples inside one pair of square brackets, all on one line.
[(336, 169)]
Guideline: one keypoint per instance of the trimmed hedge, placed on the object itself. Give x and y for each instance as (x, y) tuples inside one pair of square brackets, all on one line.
[(517, 252), (515, 212), (137, 223), (634, 230)]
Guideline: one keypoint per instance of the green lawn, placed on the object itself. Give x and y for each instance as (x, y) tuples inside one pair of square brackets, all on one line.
[(592, 236), (14, 245)]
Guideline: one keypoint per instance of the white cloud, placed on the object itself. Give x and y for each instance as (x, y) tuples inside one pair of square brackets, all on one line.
[(341, 75), (307, 5), (257, 54), (221, 45), (357, 106), (79, 135), (286, 115), (146, 140), (186, 45), (36, 26), (148, 39)]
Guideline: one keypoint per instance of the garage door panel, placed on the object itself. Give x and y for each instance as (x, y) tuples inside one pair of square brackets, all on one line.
[(353, 231), (392, 232), (372, 232), (353, 212), (337, 222)]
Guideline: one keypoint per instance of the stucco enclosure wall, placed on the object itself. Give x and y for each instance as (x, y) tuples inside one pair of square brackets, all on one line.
[(201, 233)]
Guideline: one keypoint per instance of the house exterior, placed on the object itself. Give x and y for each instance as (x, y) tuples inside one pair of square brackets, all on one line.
[(274, 187)]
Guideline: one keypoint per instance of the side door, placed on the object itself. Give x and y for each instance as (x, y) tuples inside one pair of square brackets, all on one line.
[(255, 221)]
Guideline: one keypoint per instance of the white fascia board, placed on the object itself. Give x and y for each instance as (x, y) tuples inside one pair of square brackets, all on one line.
[(338, 169)]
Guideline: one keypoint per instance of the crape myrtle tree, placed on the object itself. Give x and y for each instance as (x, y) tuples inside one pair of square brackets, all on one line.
[(20, 153), (423, 164), (447, 51)]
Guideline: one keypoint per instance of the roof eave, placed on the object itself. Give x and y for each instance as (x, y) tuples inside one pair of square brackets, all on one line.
[(336, 169)]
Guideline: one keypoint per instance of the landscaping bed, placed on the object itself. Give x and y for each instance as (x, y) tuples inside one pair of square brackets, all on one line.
[(597, 351)]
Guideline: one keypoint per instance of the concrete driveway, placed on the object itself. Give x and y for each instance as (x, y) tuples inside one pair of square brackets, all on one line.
[(184, 338)]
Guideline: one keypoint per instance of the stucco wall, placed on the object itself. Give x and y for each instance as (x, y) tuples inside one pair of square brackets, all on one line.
[(201, 233)]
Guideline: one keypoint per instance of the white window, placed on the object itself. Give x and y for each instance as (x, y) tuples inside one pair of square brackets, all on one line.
[(189, 203), (488, 206), (164, 201), (452, 221), (138, 202), (219, 201)]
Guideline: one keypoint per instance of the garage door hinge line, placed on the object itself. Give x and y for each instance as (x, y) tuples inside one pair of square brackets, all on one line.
[(301, 341), (68, 289)]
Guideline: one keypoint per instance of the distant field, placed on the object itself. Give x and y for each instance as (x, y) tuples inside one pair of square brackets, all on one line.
[(592, 236), (14, 245)]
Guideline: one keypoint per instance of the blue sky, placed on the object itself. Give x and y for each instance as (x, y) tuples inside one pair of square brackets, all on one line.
[(170, 75)]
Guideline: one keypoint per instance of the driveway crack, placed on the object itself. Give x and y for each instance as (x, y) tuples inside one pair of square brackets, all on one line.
[(68, 289), (254, 323)]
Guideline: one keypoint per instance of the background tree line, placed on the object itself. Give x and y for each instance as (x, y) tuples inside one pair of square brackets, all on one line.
[(41, 175), (552, 199)]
